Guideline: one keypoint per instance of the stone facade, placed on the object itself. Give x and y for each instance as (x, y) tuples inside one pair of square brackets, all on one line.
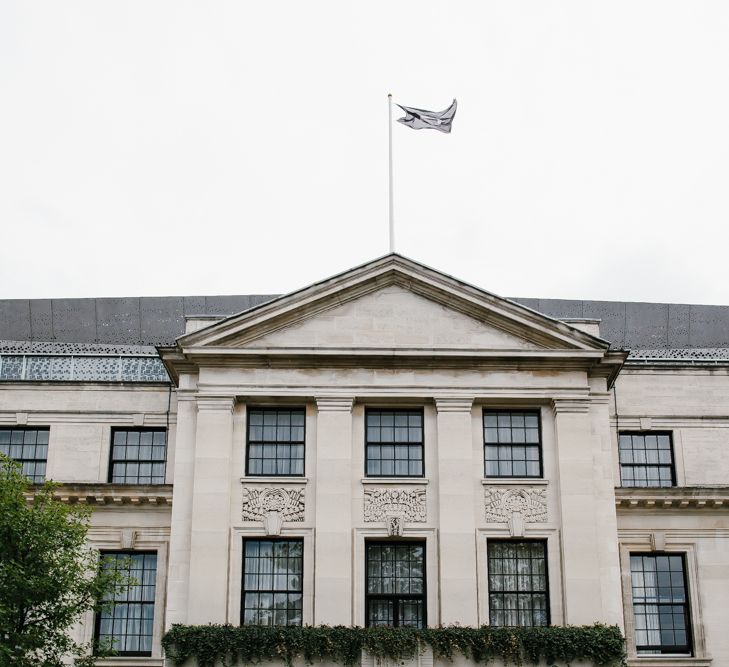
[(394, 335)]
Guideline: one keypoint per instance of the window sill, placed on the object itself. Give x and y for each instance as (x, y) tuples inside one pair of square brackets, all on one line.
[(395, 480), (514, 481), (668, 660), (131, 661), (283, 479)]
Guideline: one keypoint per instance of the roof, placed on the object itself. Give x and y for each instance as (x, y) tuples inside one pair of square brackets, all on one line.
[(159, 320)]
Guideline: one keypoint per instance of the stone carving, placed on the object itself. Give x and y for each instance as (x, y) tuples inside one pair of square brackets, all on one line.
[(383, 504), (395, 526), (273, 506), (516, 507)]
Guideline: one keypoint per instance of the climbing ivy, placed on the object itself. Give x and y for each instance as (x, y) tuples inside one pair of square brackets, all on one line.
[(251, 644)]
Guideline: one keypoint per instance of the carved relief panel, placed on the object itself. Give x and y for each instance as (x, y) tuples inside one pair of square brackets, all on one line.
[(273, 506), (516, 507), (394, 507)]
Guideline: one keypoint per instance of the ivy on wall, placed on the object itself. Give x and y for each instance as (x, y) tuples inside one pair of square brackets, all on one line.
[(251, 644)]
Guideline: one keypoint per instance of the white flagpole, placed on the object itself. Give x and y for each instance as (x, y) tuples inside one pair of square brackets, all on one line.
[(392, 205)]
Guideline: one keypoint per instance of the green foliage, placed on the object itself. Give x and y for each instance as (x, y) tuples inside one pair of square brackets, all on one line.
[(250, 644), (48, 576)]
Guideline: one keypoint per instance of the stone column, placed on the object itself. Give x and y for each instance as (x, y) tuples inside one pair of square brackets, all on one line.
[(458, 598), (210, 530), (178, 572), (587, 527), (333, 547)]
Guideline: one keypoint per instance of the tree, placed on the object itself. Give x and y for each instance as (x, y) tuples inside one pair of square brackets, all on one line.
[(48, 576)]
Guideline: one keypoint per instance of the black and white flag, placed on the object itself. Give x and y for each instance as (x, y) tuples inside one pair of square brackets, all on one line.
[(420, 119)]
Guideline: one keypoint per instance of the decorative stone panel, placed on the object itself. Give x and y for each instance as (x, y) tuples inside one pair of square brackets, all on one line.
[(380, 504), (516, 507), (273, 506)]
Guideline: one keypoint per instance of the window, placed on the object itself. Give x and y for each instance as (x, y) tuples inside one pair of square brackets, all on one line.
[(512, 443), (660, 603), (395, 584), (518, 587), (127, 622), (272, 582), (394, 443), (138, 456), (275, 442), (29, 447), (646, 459)]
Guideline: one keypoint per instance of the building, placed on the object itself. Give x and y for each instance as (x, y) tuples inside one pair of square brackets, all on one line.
[(414, 449)]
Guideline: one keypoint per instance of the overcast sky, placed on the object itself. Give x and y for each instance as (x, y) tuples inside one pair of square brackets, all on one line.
[(166, 148)]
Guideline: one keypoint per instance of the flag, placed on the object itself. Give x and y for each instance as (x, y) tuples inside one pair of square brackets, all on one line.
[(420, 119)]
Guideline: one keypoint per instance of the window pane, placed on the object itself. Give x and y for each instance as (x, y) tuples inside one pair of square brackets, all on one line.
[(128, 623), (138, 456), (275, 442), (272, 582), (660, 606), (646, 459), (29, 447), (517, 583), (394, 443), (512, 438)]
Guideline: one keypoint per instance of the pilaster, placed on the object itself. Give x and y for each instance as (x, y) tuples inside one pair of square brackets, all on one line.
[(178, 576), (588, 516), (333, 548), (457, 558), (210, 526)]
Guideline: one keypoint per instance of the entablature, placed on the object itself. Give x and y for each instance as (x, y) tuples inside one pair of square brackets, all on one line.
[(679, 497), (116, 495)]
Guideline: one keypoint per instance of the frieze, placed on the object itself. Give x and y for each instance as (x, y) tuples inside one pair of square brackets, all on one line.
[(382, 503), (502, 504), (288, 503)]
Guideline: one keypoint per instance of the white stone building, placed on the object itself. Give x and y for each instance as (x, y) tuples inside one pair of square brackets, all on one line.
[(387, 446)]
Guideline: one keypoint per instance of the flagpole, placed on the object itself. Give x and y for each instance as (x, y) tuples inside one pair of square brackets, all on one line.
[(392, 204)]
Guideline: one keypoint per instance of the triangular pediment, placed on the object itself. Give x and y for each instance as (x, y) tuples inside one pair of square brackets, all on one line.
[(391, 303)]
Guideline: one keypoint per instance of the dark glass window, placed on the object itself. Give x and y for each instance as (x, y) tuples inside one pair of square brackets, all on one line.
[(394, 443), (275, 442), (660, 603), (272, 582), (127, 621), (138, 456), (518, 588), (29, 447), (646, 459), (396, 584), (512, 443)]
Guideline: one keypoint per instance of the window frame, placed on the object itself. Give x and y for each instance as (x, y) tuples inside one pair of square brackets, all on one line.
[(97, 614), (690, 645), (395, 411), (672, 465), (265, 538), (137, 429), (35, 461), (539, 444), (302, 442), (547, 593), (423, 597)]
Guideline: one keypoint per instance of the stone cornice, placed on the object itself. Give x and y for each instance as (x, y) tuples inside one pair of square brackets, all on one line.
[(158, 495), (571, 406), (674, 498), (215, 403)]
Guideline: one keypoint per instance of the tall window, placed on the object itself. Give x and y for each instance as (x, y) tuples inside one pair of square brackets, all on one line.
[(512, 443), (138, 456), (518, 590), (127, 620), (29, 447), (272, 582), (396, 584), (275, 442), (660, 603), (394, 443), (646, 459)]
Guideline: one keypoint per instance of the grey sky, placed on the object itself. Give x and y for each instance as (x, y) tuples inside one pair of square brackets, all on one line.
[(151, 148)]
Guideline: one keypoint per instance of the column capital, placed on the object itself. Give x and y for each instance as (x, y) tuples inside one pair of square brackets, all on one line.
[(457, 404), (334, 403), (570, 406), (215, 403)]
